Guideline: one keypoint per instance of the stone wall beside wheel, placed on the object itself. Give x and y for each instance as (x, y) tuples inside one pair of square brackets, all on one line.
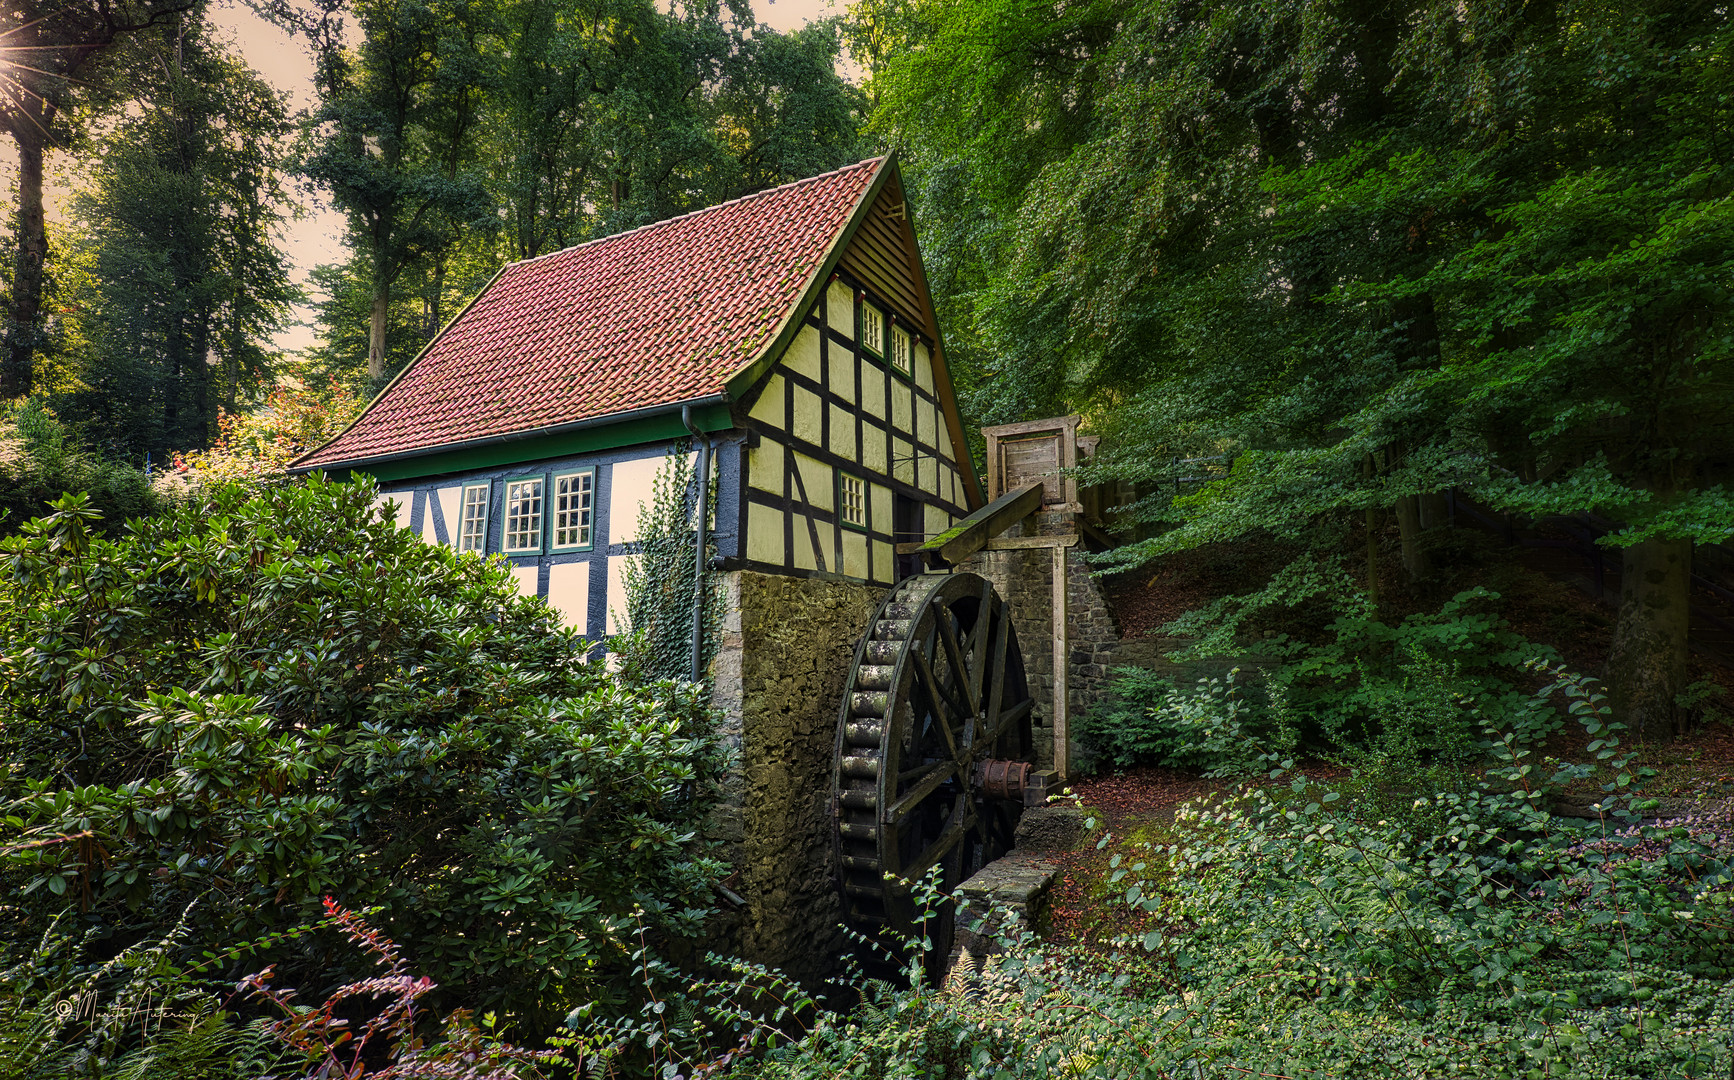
[(778, 678)]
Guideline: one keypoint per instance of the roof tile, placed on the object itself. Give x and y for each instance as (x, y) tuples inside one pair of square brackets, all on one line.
[(657, 315)]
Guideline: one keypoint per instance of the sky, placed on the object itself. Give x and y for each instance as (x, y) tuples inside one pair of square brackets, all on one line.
[(317, 237)]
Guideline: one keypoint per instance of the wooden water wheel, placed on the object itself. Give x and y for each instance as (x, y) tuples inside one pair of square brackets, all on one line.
[(933, 750)]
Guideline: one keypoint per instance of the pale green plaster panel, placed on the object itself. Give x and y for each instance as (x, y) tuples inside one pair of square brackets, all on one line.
[(873, 392), (842, 432), (820, 481), (856, 562), (841, 303), (765, 466), (769, 408), (923, 367), (901, 406), (803, 354), (873, 449), (765, 535), (937, 519), (842, 371), (902, 467), (806, 423)]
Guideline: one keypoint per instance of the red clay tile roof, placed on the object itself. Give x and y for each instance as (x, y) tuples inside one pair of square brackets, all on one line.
[(658, 315)]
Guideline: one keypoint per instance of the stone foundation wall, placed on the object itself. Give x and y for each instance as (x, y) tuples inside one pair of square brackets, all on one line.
[(1025, 578), (778, 676)]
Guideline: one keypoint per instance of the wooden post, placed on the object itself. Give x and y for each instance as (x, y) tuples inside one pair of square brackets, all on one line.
[(1062, 659)]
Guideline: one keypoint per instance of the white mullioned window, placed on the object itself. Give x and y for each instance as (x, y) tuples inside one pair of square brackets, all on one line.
[(872, 329), (473, 527), (902, 350), (524, 514), (852, 500), (574, 496)]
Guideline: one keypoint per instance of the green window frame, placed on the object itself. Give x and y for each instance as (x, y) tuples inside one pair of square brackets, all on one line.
[(572, 500), (852, 509), (472, 531), (901, 354), (525, 515), (870, 327)]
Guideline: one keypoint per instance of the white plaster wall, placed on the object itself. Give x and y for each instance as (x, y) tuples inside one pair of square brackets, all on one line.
[(630, 486), (525, 576), (569, 593)]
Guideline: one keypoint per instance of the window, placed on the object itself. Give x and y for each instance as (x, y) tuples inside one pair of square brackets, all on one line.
[(872, 329), (473, 532), (573, 494), (902, 350), (851, 500), (524, 515)]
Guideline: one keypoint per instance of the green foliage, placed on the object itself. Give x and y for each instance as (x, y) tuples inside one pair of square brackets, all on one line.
[(40, 460), (1287, 932), (137, 1016), (1402, 699), (1375, 255), (459, 134), (264, 698), (1209, 728), (1346, 690), (184, 284), (664, 588)]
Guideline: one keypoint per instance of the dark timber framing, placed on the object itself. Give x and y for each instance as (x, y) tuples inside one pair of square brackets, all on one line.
[(795, 500)]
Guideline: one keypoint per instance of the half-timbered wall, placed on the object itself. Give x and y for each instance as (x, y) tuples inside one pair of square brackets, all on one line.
[(585, 584), (833, 408)]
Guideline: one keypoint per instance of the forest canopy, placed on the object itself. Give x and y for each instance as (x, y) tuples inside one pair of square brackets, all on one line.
[(1368, 251)]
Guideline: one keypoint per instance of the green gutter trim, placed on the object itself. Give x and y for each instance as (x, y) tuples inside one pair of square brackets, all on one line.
[(659, 424)]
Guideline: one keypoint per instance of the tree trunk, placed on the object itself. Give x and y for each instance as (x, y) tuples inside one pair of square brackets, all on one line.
[(1435, 512), (376, 330), (17, 369), (1647, 665), (1368, 470), (1415, 559), (205, 421)]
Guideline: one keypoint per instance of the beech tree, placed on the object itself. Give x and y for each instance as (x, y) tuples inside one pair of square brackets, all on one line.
[(1374, 250), (48, 52), (186, 283)]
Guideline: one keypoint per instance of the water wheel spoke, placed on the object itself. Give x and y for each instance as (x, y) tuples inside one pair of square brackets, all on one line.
[(1003, 723), (958, 663), (938, 699), (953, 834), (998, 655), (936, 774), (985, 609)]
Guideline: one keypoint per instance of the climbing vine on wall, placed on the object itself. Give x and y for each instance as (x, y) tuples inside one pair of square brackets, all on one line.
[(662, 583)]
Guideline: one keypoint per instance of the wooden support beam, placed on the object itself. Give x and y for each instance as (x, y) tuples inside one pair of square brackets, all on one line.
[(1062, 661), (972, 533)]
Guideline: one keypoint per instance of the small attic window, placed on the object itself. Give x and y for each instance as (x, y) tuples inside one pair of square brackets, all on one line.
[(872, 329), (852, 500), (902, 350)]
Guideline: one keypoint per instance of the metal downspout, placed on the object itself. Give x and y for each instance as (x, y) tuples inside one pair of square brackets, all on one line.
[(698, 560)]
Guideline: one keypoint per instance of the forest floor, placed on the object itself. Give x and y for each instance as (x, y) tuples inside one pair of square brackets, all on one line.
[(1138, 807)]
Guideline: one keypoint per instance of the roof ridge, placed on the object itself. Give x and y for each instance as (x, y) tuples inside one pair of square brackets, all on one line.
[(694, 213)]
